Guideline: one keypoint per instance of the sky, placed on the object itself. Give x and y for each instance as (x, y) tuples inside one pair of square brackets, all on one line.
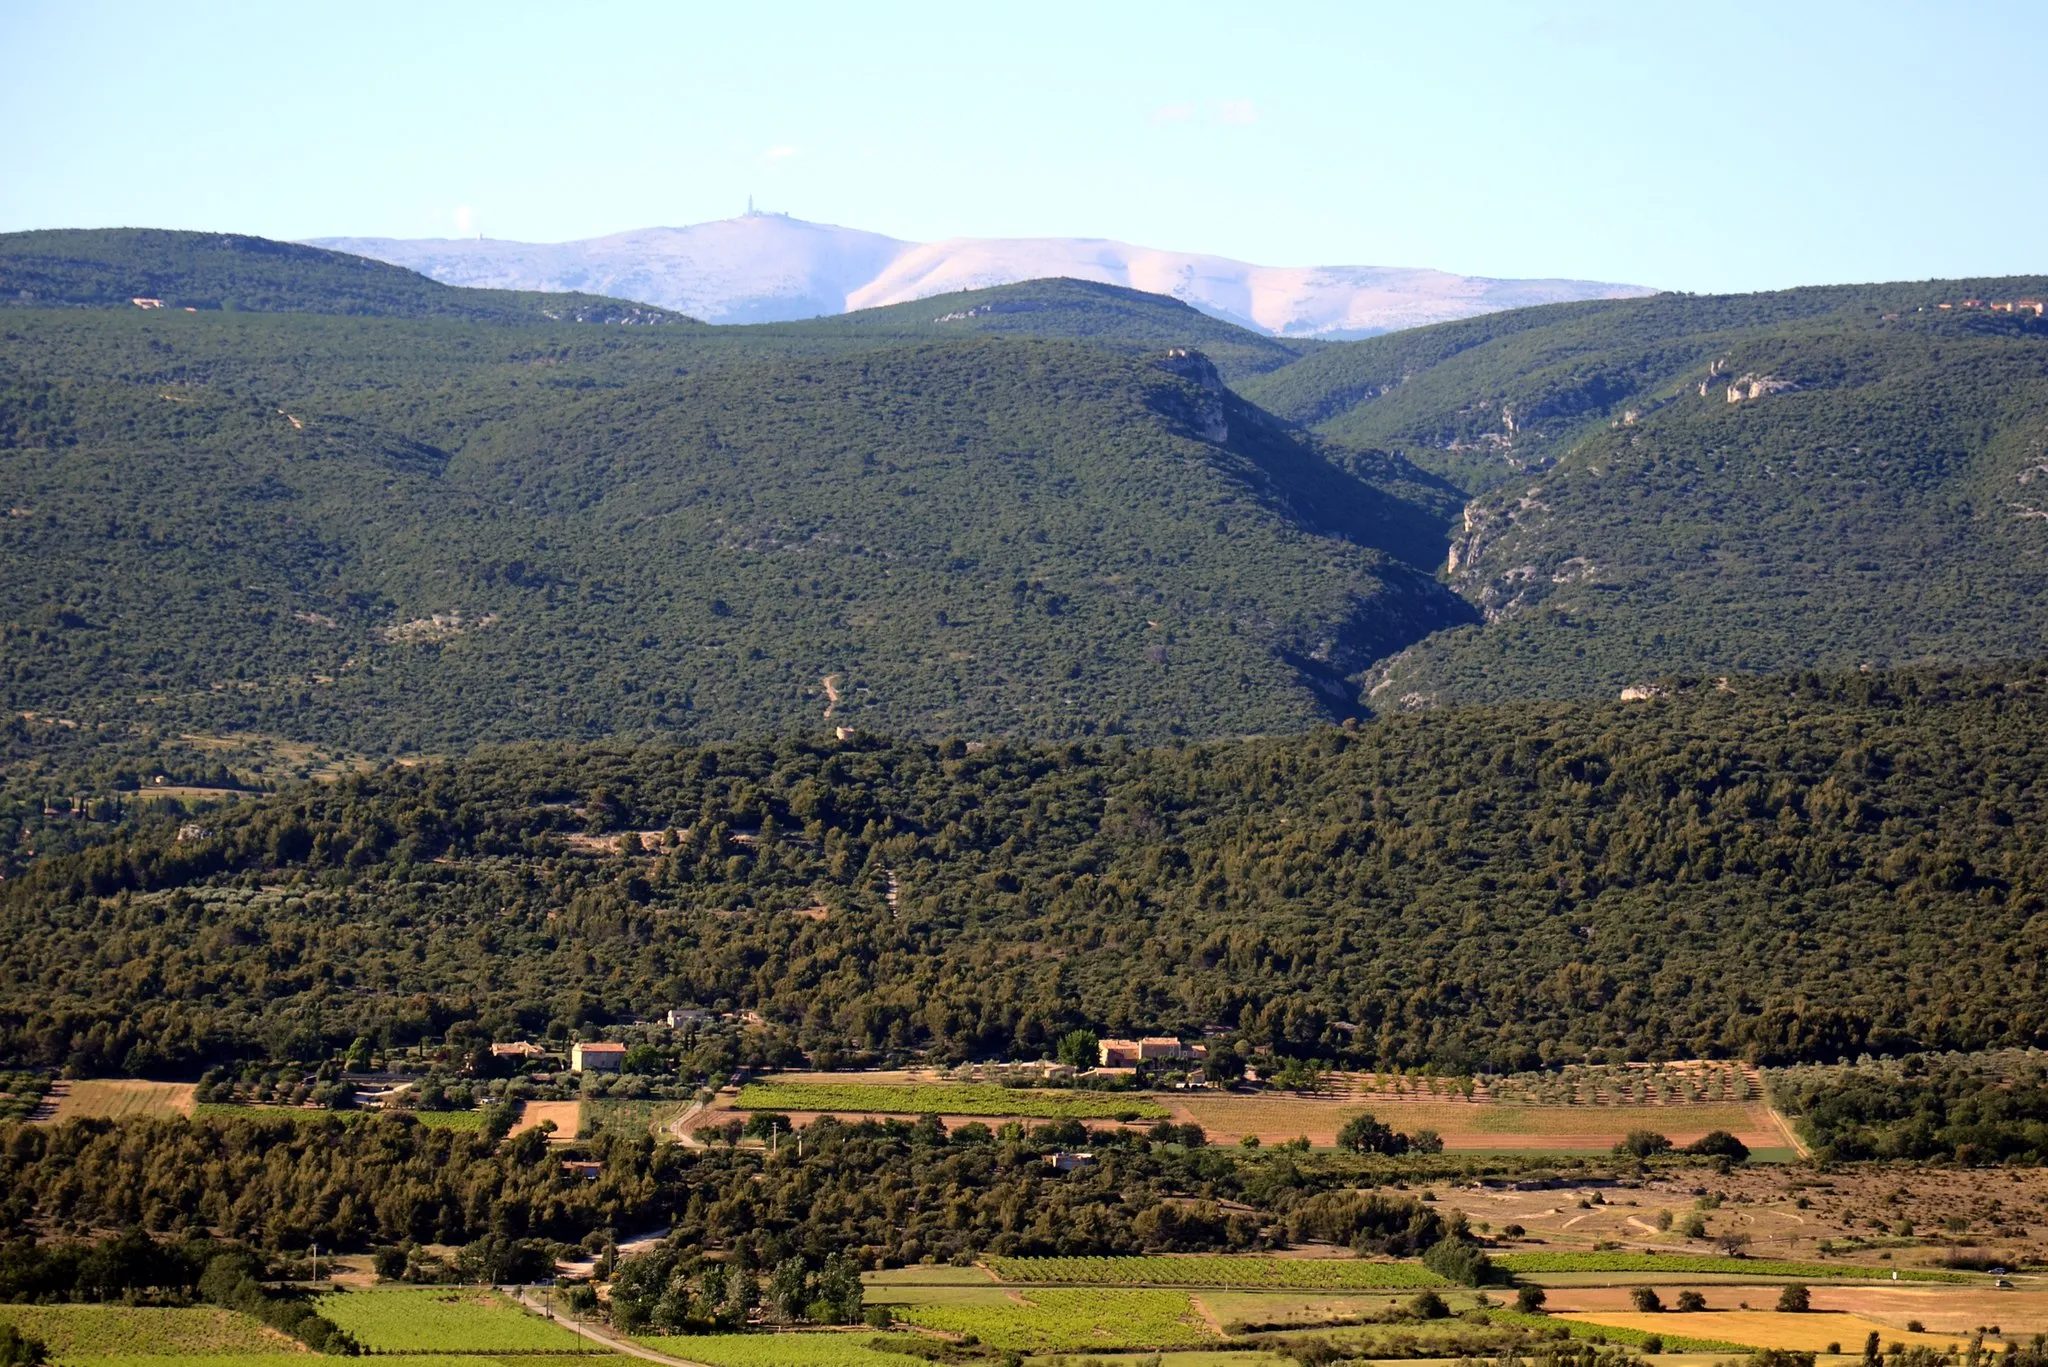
[(1712, 148)]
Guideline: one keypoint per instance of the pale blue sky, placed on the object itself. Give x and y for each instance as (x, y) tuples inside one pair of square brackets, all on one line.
[(1706, 147)]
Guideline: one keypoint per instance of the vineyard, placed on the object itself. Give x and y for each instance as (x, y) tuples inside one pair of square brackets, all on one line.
[(1252, 1274), (773, 1350), (1687, 1264), (445, 1321), (449, 1120), (945, 1098), (183, 1359), (105, 1330), (1069, 1320)]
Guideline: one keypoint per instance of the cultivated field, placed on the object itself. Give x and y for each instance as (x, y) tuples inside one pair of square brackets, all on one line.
[(967, 1099), (445, 1320), (120, 1099), (823, 1349), (1250, 1273), (1061, 1320), (96, 1331)]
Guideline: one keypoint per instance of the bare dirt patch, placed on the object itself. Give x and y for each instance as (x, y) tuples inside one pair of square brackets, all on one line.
[(567, 1115)]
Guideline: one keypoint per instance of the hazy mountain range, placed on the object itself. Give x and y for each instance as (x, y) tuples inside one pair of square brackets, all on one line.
[(772, 268)]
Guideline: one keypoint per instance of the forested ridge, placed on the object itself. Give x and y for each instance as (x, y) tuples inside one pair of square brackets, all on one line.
[(394, 533), (1796, 869)]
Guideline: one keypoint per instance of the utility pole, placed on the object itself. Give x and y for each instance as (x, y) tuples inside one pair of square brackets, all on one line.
[(316, 1262)]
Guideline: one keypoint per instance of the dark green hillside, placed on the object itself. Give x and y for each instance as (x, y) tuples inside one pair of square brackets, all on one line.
[(1444, 395), (1797, 869), (381, 533), (1077, 310), (1881, 499), (109, 268)]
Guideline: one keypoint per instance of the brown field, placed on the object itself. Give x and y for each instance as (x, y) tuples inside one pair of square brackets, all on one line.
[(1811, 1332), (1466, 1126), (119, 1098), (567, 1115), (1470, 1125), (1950, 1313)]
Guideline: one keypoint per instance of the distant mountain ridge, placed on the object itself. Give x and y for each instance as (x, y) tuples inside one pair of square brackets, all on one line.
[(765, 268)]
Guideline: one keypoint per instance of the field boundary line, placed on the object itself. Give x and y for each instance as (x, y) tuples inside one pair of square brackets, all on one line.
[(606, 1339), (1785, 1128)]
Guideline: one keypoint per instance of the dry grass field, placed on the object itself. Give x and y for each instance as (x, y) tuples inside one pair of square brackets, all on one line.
[(1471, 1126), (1476, 1125), (119, 1099), (1948, 1313), (1766, 1328)]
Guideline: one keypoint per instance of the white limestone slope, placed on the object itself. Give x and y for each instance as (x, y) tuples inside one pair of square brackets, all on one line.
[(757, 269), (769, 267), (1293, 301)]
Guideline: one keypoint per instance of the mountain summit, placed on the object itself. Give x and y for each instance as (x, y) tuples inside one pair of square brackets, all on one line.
[(764, 268)]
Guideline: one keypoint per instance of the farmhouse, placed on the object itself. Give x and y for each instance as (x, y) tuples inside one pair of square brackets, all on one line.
[(688, 1015), (519, 1048), (1069, 1162), (1117, 1053), (1129, 1053), (600, 1056), (588, 1171)]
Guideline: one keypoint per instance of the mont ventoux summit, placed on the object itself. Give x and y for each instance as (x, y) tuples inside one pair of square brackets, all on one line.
[(769, 268), (743, 780)]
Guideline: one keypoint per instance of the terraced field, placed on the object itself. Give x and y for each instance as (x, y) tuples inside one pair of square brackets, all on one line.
[(1247, 1273), (772, 1350), (445, 1320)]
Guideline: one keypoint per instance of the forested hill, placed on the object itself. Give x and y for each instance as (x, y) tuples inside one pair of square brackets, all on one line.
[(390, 534), (111, 268), (1793, 869), (1081, 310), (1490, 397), (1820, 478)]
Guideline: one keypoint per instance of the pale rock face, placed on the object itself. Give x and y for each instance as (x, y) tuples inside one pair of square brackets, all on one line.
[(770, 268)]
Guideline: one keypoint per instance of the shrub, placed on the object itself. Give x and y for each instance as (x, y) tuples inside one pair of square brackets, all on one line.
[(1529, 1299), (1427, 1305), (1719, 1144), (1691, 1302), (1643, 1144), (1645, 1299), (1460, 1261), (1795, 1300)]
